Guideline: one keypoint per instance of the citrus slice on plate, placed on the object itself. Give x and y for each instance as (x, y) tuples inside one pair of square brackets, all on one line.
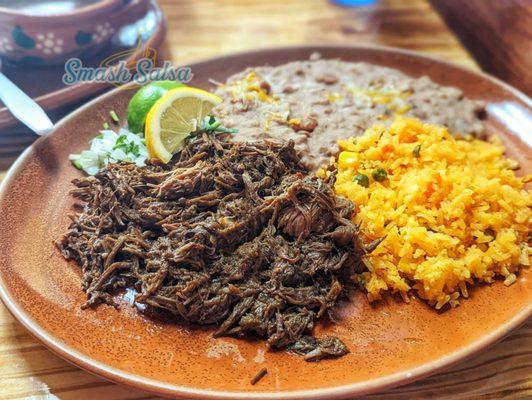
[(141, 103), (173, 117)]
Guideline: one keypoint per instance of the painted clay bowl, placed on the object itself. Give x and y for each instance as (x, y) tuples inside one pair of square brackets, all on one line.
[(39, 39), (391, 343)]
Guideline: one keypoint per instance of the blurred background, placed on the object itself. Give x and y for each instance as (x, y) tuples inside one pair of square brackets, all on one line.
[(37, 36)]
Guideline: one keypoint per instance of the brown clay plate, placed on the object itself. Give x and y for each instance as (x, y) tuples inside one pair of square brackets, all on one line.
[(391, 343)]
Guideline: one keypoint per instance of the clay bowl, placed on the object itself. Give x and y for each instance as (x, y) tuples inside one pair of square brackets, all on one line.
[(45, 86), (391, 343), (47, 36)]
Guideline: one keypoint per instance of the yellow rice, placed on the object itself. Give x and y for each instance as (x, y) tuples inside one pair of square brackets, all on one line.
[(454, 214)]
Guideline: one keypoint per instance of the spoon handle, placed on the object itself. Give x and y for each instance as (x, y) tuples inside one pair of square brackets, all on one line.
[(24, 108)]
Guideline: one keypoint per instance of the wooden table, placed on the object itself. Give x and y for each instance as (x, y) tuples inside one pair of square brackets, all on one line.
[(200, 29)]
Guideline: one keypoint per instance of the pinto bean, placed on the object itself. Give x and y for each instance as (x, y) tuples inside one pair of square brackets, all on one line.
[(308, 124), (289, 89), (328, 79), (266, 87)]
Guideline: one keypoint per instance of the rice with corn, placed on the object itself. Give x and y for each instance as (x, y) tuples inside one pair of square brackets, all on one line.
[(449, 211)]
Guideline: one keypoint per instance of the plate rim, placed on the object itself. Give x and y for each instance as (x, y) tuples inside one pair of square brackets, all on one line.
[(154, 386)]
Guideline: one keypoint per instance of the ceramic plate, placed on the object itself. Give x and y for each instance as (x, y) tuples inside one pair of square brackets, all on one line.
[(391, 343)]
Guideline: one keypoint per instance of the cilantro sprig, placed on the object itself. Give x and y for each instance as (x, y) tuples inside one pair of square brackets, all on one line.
[(127, 147), (211, 124)]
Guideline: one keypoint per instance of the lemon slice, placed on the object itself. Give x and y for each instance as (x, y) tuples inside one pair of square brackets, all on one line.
[(175, 116)]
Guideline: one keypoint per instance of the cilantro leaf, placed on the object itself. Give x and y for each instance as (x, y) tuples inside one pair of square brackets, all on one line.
[(120, 143), (133, 148), (211, 124)]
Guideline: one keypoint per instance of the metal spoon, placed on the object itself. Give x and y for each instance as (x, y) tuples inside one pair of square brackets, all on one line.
[(23, 107)]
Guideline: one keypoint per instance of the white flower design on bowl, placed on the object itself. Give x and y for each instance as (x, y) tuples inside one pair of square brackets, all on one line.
[(5, 45), (48, 43), (102, 32)]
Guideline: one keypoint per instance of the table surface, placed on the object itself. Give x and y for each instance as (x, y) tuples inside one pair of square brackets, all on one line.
[(201, 29)]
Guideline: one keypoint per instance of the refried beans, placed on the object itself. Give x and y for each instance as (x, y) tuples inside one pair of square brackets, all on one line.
[(316, 102)]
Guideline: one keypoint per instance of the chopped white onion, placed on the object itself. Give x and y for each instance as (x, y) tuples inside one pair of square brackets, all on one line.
[(111, 147)]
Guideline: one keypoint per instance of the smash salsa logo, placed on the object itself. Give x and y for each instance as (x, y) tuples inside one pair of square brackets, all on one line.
[(139, 65)]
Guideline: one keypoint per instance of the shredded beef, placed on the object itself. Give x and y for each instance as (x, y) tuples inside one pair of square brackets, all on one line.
[(230, 234)]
